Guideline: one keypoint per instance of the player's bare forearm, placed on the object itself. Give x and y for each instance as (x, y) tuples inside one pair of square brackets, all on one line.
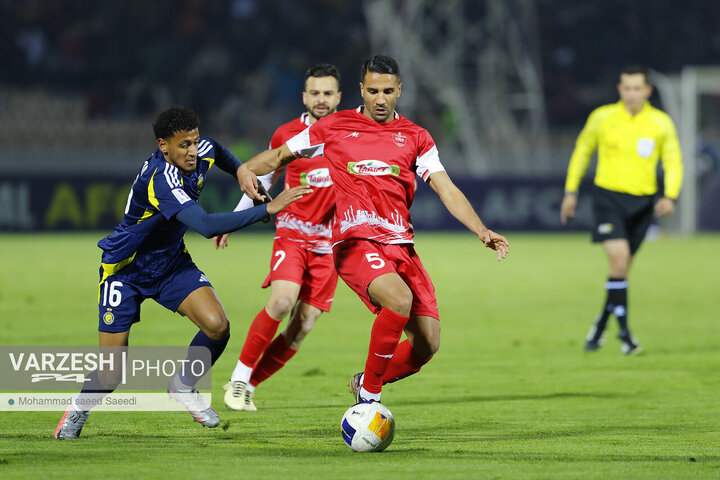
[(460, 208), (261, 164), (269, 160)]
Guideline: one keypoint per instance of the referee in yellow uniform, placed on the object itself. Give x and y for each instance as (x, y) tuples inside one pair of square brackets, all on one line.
[(630, 136)]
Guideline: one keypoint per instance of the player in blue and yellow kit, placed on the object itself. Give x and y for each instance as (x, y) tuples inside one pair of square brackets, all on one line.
[(145, 257), (630, 136)]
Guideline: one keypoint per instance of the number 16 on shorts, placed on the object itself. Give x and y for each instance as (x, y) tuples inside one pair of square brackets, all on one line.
[(111, 295)]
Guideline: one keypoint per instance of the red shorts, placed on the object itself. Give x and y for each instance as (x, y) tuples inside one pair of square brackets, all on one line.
[(359, 262), (314, 272)]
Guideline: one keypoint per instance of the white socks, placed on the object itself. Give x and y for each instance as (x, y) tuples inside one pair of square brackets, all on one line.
[(241, 373)]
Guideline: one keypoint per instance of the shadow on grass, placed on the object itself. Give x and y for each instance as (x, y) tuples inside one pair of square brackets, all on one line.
[(465, 399), (511, 397)]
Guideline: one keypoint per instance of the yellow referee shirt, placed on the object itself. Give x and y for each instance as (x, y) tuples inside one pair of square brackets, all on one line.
[(628, 150)]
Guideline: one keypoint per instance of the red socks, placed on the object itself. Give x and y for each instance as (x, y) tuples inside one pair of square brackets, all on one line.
[(276, 355), (261, 332), (384, 337), (404, 363)]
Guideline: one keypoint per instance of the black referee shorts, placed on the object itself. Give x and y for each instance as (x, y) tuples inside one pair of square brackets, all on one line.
[(621, 215)]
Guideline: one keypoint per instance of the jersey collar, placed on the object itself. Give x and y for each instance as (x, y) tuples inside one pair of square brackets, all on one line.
[(361, 108), (646, 108), (305, 118)]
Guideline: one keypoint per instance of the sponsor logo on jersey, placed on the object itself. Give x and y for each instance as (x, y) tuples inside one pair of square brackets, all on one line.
[(605, 228), (108, 318), (380, 425), (353, 134), (373, 167), (319, 177), (399, 139)]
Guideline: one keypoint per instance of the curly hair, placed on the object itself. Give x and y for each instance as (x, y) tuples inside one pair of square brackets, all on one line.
[(175, 119)]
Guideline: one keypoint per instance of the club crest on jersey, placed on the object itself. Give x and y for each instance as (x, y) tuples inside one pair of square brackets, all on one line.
[(200, 183), (399, 139), (373, 167), (320, 177)]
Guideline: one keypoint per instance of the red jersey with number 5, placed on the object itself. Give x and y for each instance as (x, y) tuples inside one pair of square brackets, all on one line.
[(309, 220), (373, 167)]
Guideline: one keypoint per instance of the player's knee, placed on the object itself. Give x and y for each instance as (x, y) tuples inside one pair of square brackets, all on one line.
[(299, 327), (279, 306), (400, 304), (428, 345), (307, 322), (218, 327), (399, 300), (433, 346)]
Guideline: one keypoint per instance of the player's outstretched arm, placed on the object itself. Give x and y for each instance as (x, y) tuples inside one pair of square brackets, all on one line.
[(286, 197), (262, 163), (458, 205), (265, 183), (212, 224)]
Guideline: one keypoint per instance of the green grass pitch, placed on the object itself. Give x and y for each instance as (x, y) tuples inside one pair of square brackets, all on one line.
[(510, 394)]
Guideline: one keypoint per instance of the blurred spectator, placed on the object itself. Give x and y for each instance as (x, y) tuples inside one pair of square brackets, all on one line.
[(124, 58)]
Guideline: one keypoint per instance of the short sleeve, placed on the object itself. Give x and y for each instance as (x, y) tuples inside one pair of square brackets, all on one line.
[(302, 144), (165, 191), (276, 140), (428, 160)]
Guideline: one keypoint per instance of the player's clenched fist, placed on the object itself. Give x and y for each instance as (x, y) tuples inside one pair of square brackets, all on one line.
[(248, 183)]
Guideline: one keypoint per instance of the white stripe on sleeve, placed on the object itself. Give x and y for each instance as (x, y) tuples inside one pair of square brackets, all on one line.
[(429, 163), (204, 147), (245, 201), (300, 145), (171, 176)]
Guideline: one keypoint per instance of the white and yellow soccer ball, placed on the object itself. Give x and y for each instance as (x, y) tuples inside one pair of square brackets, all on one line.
[(368, 427)]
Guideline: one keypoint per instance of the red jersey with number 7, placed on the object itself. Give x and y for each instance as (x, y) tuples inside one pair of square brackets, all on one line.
[(373, 167), (309, 220)]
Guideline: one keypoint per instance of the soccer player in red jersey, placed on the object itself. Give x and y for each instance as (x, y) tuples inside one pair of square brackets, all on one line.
[(302, 276), (374, 154)]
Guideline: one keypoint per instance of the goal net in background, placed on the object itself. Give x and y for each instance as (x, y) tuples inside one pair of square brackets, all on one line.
[(692, 99)]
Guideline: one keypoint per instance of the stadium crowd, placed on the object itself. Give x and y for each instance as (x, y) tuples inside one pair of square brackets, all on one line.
[(116, 57)]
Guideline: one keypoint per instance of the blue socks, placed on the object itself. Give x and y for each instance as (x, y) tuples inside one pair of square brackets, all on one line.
[(216, 348)]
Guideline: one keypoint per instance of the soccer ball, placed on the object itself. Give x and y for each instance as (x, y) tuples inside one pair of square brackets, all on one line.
[(368, 427)]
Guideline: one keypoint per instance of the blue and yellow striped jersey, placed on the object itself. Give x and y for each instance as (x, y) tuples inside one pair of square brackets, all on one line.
[(150, 239)]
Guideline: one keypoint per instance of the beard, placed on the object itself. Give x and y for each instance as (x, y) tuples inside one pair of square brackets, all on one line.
[(318, 116)]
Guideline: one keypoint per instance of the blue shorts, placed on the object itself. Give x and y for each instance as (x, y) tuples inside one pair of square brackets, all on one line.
[(120, 299)]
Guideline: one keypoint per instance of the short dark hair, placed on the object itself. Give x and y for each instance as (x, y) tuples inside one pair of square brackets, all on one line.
[(635, 70), (323, 70), (175, 119), (379, 64)]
